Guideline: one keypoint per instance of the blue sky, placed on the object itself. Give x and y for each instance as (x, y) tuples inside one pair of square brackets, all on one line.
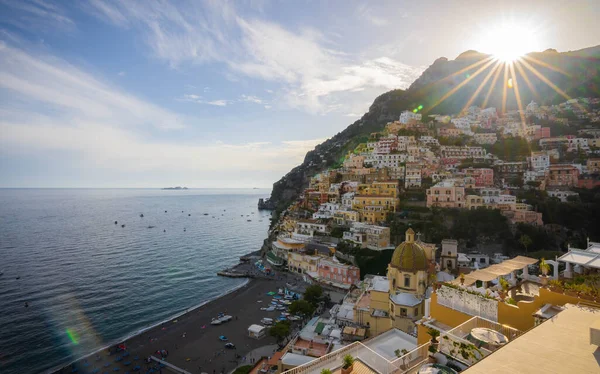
[(154, 93)]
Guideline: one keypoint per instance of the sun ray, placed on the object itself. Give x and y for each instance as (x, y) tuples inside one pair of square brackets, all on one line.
[(517, 94), (483, 83), (546, 80), (545, 64), (526, 78), (446, 78), (461, 84), (550, 84), (491, 89), (504, 87)]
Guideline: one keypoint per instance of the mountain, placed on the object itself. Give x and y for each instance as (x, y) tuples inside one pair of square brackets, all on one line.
[(457, 82)]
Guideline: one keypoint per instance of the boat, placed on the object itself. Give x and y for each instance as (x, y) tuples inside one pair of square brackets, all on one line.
[(205, 214), (142, 215), (215, 321), (225, 318), (270, 309)]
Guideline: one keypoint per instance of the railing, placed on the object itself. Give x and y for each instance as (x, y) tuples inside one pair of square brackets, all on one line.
[(357, 350), (463, 330), (410, 360), (329, 361)]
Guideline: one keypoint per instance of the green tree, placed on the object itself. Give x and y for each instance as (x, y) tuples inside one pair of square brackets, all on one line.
[(302, 307), (280, 330), (313, 294), (525, 241)]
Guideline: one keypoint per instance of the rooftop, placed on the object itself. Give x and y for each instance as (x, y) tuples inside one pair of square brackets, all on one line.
[(385, 344), (559, 345)]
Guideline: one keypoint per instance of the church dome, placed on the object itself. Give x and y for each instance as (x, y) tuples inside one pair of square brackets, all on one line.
[(409, 256)]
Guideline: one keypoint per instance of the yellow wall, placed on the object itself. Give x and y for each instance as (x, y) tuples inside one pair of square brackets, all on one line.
[(422, 336), (520, 316)]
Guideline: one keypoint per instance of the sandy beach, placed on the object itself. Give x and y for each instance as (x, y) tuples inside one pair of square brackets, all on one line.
[(191, 341)]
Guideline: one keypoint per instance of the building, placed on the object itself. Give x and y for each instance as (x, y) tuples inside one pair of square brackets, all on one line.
[(568, 343), (302, 263), (524, 216), (539, 161), (485, 138), (449, 255), (562, 175), (593, 165), (484, 177), (337, 274), (562, 195), (541, 133), (412, 177), (449, 132), (369, 236), (408, 116), (310, 226), (354, 162), (446, 194), (462, 153), (396, 301)]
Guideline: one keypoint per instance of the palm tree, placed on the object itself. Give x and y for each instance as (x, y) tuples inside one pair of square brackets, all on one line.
[(433, 333), (525, 241)]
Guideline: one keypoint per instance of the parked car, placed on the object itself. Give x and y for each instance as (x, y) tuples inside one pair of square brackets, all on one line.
[(267, 321), (230, 345)]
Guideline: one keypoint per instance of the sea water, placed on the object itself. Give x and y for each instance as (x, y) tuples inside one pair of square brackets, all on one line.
[(89, 282)]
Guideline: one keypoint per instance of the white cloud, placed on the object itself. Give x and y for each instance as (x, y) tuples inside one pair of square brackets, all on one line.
[(251, 99), (200, 100), (121, 74), (218, 102), (311, 70), (110, 131), (67, 90), (37, 14)]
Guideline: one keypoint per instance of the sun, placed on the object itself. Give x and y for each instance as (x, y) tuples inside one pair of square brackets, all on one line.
[(508, 41)]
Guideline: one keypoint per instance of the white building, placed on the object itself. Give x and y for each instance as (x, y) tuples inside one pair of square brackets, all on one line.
[(407, 116), (485, 138), (562, 195), (539, 161), (326, 210), (578, 144), (347, 200), (531, 108), (429, 140)]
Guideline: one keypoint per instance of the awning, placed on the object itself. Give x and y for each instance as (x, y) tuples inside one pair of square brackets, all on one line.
[(583, 258), (521, 260), (483, 275)]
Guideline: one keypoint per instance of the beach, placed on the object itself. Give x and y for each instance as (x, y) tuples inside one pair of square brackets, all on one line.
[(191, 341)]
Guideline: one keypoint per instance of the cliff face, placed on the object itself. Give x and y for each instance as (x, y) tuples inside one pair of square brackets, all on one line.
[(384, 109), (574, 73)]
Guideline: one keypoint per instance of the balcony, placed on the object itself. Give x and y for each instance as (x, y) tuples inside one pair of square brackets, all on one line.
[(366, 361)]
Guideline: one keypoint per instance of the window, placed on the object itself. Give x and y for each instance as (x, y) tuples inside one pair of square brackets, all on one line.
[(407, 281), (403, 312), (482, 260)]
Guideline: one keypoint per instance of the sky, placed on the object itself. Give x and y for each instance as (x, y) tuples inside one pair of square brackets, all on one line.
[(151, 93)]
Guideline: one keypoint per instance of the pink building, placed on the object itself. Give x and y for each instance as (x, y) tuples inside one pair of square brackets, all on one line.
[(329, 271), (484, 177), (541, 133)]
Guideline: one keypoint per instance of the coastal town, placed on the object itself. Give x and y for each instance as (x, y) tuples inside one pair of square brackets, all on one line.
[(434, 306), (357, 275)]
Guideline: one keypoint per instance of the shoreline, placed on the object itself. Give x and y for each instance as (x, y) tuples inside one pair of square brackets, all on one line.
[(143, 330)]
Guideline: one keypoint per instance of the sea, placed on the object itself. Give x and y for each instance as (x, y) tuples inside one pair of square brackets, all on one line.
[(89, 282)]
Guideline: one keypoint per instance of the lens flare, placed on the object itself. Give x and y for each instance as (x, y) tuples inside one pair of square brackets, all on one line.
[(73, 337)]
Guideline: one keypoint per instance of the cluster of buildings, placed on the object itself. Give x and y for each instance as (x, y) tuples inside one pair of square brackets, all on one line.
[(510, 308)]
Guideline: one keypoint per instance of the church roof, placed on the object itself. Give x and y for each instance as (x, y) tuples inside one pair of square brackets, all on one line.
[(410, 255)]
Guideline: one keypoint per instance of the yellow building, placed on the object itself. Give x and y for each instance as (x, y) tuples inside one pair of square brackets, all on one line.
[(388, 202), (397, 301), (380, 188), (302, 263)]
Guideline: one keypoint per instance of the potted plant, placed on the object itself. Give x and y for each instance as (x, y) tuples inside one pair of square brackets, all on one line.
[(462, 279), (348, 365), (555, 285), (505, 285), (432, 351), (544, 268)]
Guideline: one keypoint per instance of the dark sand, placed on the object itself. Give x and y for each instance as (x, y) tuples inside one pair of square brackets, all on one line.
[(200, 350)]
